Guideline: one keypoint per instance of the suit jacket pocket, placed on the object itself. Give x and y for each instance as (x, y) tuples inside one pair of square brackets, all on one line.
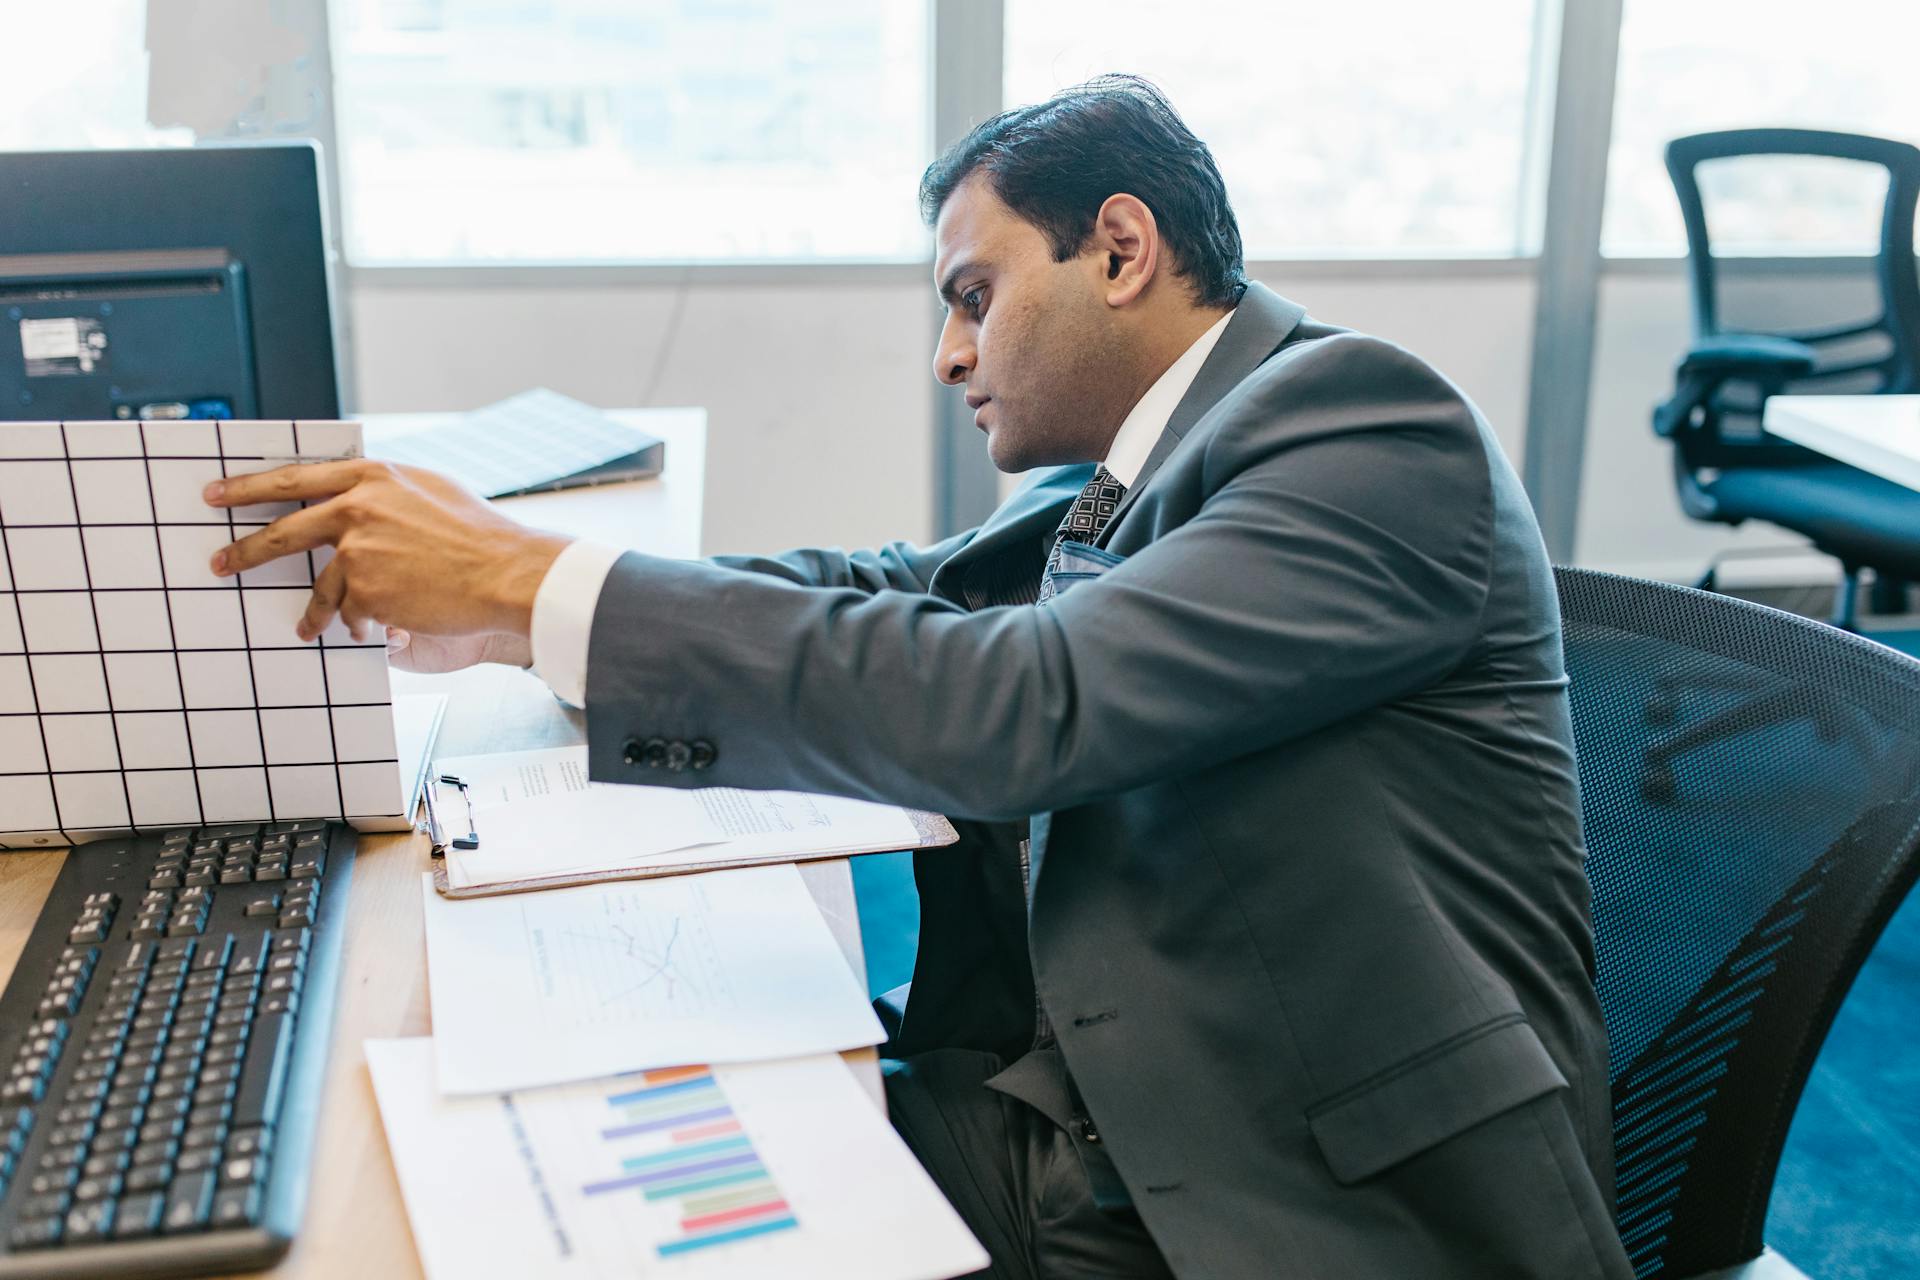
[(1430, 1097), (1078, 562)]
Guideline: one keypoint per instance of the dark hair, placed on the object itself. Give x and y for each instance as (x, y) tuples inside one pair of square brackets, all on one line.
[(1055, 163)]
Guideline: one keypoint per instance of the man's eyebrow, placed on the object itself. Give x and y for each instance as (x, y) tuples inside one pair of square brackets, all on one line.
[(948, 285)]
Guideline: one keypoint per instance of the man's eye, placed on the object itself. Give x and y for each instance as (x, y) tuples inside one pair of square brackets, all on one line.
[(971, 301)]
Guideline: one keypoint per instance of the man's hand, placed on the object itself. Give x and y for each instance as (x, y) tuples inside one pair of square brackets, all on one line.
[(411, 548), (435, 654)]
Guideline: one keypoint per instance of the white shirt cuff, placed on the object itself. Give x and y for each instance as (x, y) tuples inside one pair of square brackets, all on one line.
[(563, 616)]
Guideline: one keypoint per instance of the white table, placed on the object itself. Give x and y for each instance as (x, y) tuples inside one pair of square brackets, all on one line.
[(1880, 434)]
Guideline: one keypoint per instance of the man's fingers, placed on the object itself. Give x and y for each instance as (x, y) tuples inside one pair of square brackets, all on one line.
[(296, 531), (328, 590), (358, 621), (299, 482)]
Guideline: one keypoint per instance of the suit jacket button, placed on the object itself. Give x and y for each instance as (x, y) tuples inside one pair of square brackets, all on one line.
[(1088, 1133), (678, 755), (703, 753), (654, 752)]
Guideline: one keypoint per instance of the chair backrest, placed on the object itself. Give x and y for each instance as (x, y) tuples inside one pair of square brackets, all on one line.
[(1896, 327), (1751, 792)]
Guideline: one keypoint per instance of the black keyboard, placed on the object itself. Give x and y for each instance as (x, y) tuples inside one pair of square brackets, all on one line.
[(165, 1040)]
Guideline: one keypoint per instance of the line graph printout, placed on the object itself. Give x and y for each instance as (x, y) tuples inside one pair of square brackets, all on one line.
[(753, 1171), (570, 984), (138, 690)]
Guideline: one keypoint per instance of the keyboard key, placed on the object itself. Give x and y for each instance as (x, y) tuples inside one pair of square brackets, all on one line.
[(34, 1233), (189, 1201), (101, 1188), (237, 1206), (267, 906), (106, 1162), (250, 1142), (150, 1177), (262, 1082), (247, 956), (195, 1160), (213, 953), (270, 871), (52, 1205), (90, 1220), (139, 1215), (161, 1131), (49, 1181), (296, 918), (210, 1133), (292, 940)]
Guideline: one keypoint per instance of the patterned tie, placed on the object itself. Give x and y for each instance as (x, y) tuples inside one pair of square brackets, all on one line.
[(1085, 519)]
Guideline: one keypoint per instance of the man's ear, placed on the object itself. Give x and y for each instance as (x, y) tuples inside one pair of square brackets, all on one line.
[(1128, 242)]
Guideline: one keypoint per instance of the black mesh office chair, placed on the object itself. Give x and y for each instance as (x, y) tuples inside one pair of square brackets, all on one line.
[(1730, 918), (1725, 467)]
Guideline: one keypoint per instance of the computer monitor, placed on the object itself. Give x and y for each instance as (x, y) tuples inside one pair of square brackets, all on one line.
[(175, 282)]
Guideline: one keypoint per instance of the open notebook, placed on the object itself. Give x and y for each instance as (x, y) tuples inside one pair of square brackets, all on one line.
[(139, 691)]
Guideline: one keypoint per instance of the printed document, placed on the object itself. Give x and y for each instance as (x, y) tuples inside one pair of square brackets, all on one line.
[(771, 1169), (538, 816), (532, 989)]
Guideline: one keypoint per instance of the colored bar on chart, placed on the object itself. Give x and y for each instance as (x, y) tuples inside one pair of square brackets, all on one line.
[(690, 1243), (708, 1165)]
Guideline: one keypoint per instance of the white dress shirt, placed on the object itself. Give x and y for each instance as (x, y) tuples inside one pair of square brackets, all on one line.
[(563, 608)]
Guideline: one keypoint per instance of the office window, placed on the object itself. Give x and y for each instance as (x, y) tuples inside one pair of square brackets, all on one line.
[(76, 77), (594, 130), (1734, 64), (1371, 128)]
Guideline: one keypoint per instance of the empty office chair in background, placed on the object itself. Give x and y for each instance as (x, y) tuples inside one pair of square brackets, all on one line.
[(1725, 467), (1731, 918)]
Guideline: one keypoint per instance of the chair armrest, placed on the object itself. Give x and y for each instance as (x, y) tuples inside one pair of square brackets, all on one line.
[(1748, 355), (1712, 361)]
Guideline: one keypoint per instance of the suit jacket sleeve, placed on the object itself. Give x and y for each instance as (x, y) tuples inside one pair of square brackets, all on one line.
[(898, 566), (1337, 560)]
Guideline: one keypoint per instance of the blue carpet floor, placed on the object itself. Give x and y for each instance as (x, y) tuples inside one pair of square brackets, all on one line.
[(1846, 1202)]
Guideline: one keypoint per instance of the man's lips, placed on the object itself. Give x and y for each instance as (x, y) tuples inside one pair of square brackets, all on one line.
[(979, 406)]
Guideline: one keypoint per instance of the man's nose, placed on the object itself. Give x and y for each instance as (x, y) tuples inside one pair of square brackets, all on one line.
[(953, 357)]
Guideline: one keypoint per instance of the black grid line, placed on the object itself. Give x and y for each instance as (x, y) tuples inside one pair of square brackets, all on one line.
[(216, 768), (173, 638), (326, 681), (225, 463), (100, 644), (260, 726)]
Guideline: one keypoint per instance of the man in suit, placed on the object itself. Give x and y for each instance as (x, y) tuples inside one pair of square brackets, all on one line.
[(1268, 952)]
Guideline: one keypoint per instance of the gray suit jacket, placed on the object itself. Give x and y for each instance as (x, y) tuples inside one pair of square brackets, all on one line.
[(1309, 913)]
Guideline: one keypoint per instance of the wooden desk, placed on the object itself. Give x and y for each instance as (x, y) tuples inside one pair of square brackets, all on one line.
[(1880, 434), (356, 1224)]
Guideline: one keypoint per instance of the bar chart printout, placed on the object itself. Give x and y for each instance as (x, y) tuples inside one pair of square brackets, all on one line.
[(782, 1170), (679, 1145)]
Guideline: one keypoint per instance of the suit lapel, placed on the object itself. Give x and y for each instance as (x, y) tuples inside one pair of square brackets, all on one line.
[(1034, 511), (1261, 324)]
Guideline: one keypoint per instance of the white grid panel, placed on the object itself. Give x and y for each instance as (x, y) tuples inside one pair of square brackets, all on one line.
[(138, 690)]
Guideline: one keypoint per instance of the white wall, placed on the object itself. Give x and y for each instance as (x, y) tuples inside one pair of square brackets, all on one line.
[(818, 396), (819, 389)]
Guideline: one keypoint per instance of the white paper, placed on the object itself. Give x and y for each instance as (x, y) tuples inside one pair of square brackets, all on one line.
[(538, 816), (834, 1193), (532, 989)]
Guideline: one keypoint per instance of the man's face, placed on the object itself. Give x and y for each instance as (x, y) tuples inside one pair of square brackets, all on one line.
[(1030, 338)]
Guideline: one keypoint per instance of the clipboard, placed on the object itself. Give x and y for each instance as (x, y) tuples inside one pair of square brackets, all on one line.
[(934, 832)]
